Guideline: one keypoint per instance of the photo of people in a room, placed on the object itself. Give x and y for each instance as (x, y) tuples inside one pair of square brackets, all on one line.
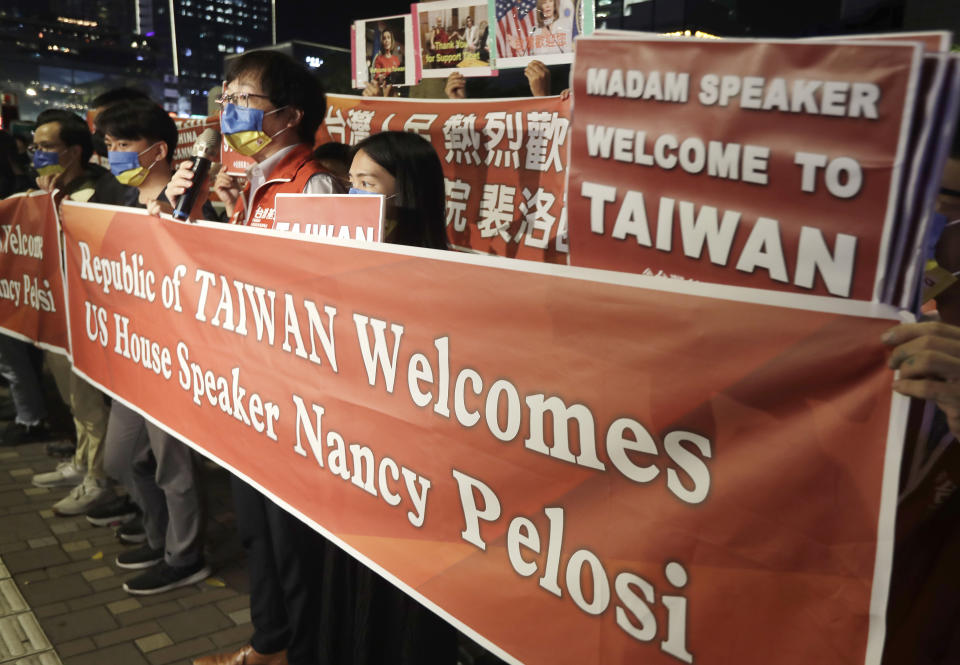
[(454, 35)]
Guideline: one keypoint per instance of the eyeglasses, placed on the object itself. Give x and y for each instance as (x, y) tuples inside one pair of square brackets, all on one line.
[(241, 99), (44, 147)]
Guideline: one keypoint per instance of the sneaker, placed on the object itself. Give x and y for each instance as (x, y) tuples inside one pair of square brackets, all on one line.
[(16, 433), (142, 557), (132, 533), (119, 511), (91, 492), (66, 474), (164, 577), (65, 448)]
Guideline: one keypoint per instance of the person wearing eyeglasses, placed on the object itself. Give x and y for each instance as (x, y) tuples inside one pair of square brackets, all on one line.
[(271, 108), (61, 150)]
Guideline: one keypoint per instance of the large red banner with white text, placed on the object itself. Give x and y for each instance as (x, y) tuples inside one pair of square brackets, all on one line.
[(631, 470), (504, 163), (31, 284), (774, 165)]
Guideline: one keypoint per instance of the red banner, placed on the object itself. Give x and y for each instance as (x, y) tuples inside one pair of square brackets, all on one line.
[(31, 284), (504, 163), (633, 470), (774, 165)]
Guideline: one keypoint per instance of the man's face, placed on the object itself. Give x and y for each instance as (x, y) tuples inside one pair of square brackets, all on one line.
[(46, 137), (248, 90), (138, 146)]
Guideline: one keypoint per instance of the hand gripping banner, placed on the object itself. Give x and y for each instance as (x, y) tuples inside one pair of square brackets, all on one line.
[(574, 467)]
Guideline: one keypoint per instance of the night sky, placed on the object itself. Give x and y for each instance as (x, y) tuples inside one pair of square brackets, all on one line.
[(328, 21)]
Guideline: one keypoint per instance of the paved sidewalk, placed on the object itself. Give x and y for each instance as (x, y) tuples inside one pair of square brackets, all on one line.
[(61, 600)]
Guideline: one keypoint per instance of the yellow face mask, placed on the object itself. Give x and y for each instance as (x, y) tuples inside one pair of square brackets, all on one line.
[(126, 168), (242, 128)]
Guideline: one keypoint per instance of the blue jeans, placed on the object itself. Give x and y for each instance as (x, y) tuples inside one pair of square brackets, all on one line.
[(20, 366)]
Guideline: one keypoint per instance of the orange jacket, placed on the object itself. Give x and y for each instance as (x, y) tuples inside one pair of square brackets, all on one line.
[(290, 176)]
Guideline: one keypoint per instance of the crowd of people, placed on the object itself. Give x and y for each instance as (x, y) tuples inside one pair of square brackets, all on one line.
[(271, 109), (339, 612)]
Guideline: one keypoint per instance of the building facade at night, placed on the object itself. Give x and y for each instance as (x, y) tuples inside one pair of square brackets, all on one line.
[(201, 34), (63, 53)]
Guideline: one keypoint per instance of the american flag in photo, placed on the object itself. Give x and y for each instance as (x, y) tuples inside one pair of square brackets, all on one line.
[(516, 19)]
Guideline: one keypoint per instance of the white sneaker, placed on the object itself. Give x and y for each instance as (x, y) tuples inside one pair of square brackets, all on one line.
[(88, 494), (67, 474)]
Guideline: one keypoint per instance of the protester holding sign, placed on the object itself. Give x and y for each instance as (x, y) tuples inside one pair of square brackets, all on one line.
[(923, 607), (63, 147), (109, 189), (141, 139), (272, 107), (366, 620)]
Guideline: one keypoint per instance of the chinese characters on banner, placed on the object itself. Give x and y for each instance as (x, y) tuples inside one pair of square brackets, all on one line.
[(31, 285), (504, 163), (774, 165)]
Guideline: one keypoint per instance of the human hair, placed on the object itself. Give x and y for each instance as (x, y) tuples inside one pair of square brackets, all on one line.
[(287, 83), (73, 130), (393, 41), (116, 95), (140, 119), (540, 22), (412, 161), (335, 151)]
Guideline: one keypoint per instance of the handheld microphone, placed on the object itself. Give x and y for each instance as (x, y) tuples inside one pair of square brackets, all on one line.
[(206, 150)]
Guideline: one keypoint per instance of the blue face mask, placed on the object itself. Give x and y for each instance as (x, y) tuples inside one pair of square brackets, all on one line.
[(47, 163), (357, 190), (242, 128), (125, 166), (123, 160)]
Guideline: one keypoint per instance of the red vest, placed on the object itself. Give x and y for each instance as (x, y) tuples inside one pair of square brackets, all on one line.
[(290, 176)]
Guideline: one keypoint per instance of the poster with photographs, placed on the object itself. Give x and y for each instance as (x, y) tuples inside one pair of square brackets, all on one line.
[(454, 36), (383, 51), (543, 30)]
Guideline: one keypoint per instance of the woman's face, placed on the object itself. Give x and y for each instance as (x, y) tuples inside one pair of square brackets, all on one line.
[(546, 7), (369, 176), (387, 40)]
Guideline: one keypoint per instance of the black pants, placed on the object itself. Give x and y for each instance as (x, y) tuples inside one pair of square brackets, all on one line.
[(285, 566)]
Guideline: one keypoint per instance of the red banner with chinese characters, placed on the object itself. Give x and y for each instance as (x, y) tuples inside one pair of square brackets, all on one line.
[(773, 165), (504, 163), (631, 470), (31, 284)]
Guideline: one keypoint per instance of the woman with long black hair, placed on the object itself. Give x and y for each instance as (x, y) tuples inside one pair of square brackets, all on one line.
[(366, 620)]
